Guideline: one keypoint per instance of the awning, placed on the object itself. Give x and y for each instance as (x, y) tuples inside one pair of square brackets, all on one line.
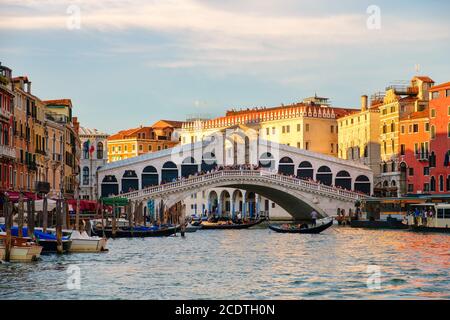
[(14, 196), (85, 205)]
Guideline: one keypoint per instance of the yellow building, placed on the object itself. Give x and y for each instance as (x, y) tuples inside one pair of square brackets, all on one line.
[(359, 134), (311, 125), (137, 141)]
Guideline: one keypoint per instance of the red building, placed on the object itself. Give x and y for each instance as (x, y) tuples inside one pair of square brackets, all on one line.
[(440, 138), (414, 139), (7, 152)]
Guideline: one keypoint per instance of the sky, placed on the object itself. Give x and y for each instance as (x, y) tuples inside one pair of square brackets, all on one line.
[(126, 63)]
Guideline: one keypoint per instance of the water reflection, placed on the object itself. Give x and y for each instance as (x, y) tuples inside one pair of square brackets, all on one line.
[(251, 264)]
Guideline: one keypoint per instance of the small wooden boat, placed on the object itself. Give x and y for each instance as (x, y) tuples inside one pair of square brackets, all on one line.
[(228, 225), (82, 242), (192, 227), (22, 250), (138, 232), (303, 229)]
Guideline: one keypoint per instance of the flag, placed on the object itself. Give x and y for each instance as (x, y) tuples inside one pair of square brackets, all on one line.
[(91, 149)]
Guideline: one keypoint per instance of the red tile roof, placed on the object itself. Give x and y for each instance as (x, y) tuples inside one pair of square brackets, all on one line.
[(63, 102), (441, 86), (425, 78)]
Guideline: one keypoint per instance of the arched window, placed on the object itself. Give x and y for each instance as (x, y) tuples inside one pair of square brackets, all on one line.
[(99, 150), (441, 183), (85, 176), (432, 184)]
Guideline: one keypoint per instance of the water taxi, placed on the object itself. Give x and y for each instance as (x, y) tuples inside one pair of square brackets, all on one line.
[(429, 217)]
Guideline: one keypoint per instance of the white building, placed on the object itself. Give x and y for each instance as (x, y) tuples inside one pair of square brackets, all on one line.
[(93, 156)]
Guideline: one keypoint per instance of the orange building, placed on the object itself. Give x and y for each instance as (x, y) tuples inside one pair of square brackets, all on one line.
[(414, 139), (440, 138), (137, 141)]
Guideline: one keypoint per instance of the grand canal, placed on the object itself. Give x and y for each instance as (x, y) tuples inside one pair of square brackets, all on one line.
[(247, 264)]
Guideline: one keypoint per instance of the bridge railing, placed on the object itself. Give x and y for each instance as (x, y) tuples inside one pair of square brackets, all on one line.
[(193, 181)]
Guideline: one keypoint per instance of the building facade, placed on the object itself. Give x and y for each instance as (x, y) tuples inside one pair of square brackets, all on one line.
[(60, 112), (310, 125), (7, 152), (440, 138), (398, 102), (358, 137), (130, 143), (94, 145)]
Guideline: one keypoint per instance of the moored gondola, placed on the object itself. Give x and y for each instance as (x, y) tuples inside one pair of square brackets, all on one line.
[(229, 225), (138, 232), (305, 229)]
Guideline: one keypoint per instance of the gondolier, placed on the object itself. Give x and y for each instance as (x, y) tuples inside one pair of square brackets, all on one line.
[(313, 218)]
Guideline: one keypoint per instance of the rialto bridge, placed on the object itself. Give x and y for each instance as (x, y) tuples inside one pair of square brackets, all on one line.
[(297, 180)]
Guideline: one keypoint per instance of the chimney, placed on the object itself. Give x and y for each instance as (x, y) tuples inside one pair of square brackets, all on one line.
[(364, 99), (29, 87)]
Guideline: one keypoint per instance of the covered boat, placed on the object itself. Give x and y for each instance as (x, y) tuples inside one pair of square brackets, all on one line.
[(303, 228)]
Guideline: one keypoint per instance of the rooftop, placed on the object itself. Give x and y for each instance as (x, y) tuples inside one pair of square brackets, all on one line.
[(90, 132)]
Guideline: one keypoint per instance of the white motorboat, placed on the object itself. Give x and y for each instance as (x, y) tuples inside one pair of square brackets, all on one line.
[(82, 242), (21, 250)]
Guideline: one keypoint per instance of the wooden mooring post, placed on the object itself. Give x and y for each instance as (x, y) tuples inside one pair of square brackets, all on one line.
[(7, 212), (59, 222), (114, 227), (45, 214), (30, 218), (20, 216)]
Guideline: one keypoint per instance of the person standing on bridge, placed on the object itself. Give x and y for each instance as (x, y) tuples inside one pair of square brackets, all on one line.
[(313, 218)]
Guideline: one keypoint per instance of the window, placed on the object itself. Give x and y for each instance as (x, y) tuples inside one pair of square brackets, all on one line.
[(298, 145), (307, 145), (392, 126), (426, 187), (447, 94), (273, 130), (140, 147), (299, 126), (435, 95), (410, 188), (384, 128), (448, 130), (427, 127), (283, 129), (402, 149), (426, 171), (332, 147), (384, 111), (332, 129), (267, 131), (85, 176), (99, 150), (288, 129), (441, 183), (392, 109), (433, 132), (415, 128), (411, 171), (433, 113), (149, 148), (307, 127), (86, 150), (402, 128)]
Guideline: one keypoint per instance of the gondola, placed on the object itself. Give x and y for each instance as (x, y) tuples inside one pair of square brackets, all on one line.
[(138, 232), (308, 230), (230, 226)]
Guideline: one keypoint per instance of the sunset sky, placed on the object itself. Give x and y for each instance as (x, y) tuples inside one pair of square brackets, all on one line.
[(133, 62)]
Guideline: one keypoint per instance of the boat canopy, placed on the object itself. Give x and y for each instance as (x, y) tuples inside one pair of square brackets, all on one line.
[(115, 201)]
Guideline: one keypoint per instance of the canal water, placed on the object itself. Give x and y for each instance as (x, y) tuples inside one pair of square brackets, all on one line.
[(341, 263)]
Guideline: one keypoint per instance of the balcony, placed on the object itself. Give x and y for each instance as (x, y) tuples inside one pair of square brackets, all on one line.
[(422, 156), (7, 151), (56, 157), (32, 166), (403, 89)]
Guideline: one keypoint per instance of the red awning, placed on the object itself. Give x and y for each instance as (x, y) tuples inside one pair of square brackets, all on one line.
[(85, 205), (14, 196)]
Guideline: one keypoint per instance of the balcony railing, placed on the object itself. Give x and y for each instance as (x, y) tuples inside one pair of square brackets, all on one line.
[(423, 156), (7, 151)]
